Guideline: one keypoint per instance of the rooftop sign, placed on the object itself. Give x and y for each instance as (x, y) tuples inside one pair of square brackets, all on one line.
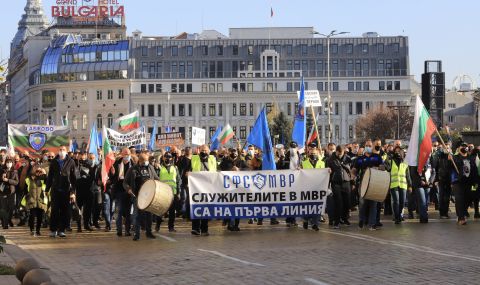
[(88, 9)]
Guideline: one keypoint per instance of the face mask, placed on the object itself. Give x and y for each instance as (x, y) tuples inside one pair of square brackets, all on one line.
[(146, 163), (168, 161), (368, 149), (233, 155), (377, 148), (251, 152), (314, 157), (463, 150), (396, 155), (91, 162), (62, 154), (203, 155), (9, 165), (127, 158)]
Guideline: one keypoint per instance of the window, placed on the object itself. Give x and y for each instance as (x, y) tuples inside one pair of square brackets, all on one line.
[(190, 113), (337, 132), (151, 88), (204, 50), (74, 122), (74, 96), (349, 48), (289, 49), (173, 88), (84, 96), (189, 50), (289, 87), (350, 132), (189, 88), (158, 88), (320, 86), (366, 68), (151, 110), (397, 85), (173, 110), (249, 87), (389, 85), (121, 94), (144, 51), (174, 50), (219, 50), (219, 87), (234, 109), (234, 87), (143, 88), (452, 105), (366, 86), (220, 110), (251, 109), (99, 95), (380, 48), (337, 108), (212, 110), (351, 86), (84, 122), (451, 119), (367, 106), (181, 110), (358, 86), (319, 48), (359, 107), (364, 48), (211, 87), (159, 51), (396, 47), (289, 109), (204, 87), (204, 110), (110, 94), (159, 110), (243, 109), (381, 85), (242, 87), (142, 110), (350, 108), (334, 48), (243, 132), (304, 49), (64, 97), (235, 50), (99, 120), (335, 86), (109, 120)]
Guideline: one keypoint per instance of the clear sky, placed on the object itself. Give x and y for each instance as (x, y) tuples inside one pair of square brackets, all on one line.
[(437, 29)]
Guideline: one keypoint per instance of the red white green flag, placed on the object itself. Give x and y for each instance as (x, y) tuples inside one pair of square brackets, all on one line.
[(313, 135), (420, 146), (128, 122), (226, 135), (108, 158)]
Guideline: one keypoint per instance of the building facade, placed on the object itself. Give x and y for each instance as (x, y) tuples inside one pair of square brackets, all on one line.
[(207, 81), (460, 111)]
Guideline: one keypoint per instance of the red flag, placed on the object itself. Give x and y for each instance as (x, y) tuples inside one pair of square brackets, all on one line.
[(313, 135)]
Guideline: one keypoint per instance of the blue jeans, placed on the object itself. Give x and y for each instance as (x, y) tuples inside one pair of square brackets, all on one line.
[(422, 195), (398, 200), (107, 206), (123, 204), (371, 207)]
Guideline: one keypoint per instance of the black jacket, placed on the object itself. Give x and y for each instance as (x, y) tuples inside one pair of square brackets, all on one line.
[(61, 179), (132, 175), (117, 184), (340, 168)]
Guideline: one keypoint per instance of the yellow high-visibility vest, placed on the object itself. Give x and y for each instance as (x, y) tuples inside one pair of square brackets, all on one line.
[(45, 197), (169, 178), (398, 176), (306, 164), (197, 163)]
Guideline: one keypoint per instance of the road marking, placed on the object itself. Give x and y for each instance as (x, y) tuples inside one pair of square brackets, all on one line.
[(405, 245), (167, 238), (231, 258), (316, 282)]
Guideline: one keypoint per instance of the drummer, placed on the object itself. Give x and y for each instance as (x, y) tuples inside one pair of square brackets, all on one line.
[(169, 174), (370, 159), (134, 180)]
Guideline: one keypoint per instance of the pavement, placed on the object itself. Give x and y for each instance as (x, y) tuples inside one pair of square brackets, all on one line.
[(437, 252)]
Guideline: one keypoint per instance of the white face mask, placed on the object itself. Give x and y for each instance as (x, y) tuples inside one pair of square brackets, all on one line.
[(251, 152), (146, 163), (62, 154), (9, 165)]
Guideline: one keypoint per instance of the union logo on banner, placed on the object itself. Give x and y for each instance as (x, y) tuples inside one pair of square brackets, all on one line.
[(259, 181), (37, 140)]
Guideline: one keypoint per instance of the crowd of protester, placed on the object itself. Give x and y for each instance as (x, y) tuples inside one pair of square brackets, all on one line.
[(64, 192)]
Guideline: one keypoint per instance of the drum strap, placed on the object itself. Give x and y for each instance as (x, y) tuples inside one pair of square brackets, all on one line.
[(205, 165)]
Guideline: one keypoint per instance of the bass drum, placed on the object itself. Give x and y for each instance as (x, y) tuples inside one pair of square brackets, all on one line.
[(375, 185), (155, 197)]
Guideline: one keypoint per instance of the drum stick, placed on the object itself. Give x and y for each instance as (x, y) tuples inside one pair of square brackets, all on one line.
[(443, 143)]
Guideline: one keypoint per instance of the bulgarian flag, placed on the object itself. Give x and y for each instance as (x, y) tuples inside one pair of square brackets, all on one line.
[(420, 146), (313, 135), (226, 135), (129, 122), (108, 158)]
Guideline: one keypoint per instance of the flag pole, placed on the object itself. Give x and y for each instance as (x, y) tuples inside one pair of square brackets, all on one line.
[(316, 127), (443, 143)]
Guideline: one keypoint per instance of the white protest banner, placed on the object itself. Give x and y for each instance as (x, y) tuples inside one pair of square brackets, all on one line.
[(198, 136), (133, 138), (312, 98), (258, 194)]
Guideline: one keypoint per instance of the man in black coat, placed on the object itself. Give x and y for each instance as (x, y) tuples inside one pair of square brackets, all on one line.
[(61, 181)]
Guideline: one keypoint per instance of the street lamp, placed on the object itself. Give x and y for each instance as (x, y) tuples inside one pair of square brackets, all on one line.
[(329, 98), (398, 108)]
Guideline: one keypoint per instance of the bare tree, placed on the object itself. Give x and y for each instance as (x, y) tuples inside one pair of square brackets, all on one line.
[(383, 123)]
